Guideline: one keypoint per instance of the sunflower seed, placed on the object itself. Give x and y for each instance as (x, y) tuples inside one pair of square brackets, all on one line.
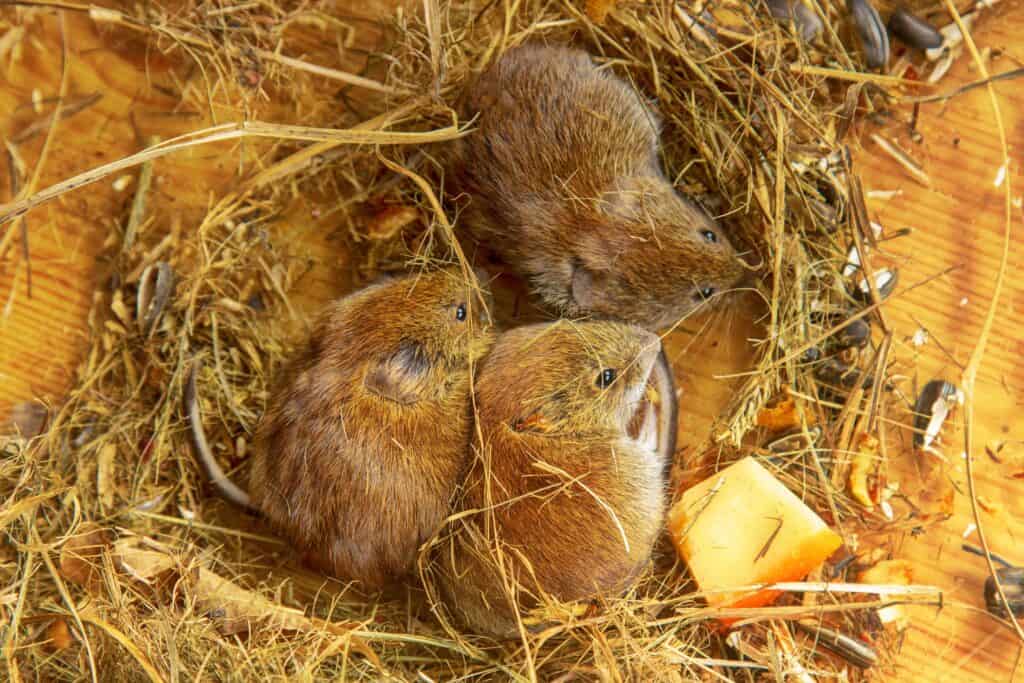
[(914, 31), (874, 39), (931, 409)]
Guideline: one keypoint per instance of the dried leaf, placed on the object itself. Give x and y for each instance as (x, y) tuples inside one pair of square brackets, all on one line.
[(389, 222), (141, 563), (81, 555), (233, 608), (58, 635), (28, 418)]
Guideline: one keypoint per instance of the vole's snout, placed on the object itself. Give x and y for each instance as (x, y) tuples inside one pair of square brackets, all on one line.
[(650, 347)]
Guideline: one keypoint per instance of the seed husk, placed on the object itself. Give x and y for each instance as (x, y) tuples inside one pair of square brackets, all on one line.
[(913, 30), (874, 39), (1010, 577), (856, 333), (808, 24), (1012, 580), (853, 263), (885, 283), (811, 355), (931, 409), (837, 373), (155, 287), (855, 651)]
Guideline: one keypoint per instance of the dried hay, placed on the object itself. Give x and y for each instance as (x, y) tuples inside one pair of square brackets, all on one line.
[(118, 562)]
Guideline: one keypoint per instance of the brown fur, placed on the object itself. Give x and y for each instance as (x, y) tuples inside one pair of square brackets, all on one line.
[(367, 433), (554, 444), (562, 181)]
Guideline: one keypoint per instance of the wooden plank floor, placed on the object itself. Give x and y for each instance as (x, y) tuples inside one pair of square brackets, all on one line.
[(958, 221)]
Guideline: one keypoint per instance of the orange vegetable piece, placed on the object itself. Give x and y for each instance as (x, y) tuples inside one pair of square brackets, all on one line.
[(741, 527), (784, 412)]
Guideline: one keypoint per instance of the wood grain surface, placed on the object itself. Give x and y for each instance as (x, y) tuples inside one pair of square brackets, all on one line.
[(957, 221)]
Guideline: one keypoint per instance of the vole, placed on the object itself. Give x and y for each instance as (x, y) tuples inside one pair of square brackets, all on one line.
[(561, 180), (367, 431), (573, 497)]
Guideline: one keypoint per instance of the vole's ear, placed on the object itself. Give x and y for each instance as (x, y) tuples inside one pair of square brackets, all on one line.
[(402, 376), (534, 422), (633, 196), (544, 418), (587, 286)]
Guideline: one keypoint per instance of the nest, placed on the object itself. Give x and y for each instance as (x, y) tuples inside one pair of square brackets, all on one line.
[(119, 560)]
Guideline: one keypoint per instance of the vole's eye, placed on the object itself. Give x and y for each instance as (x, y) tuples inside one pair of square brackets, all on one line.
[(704, 293), (605, 378), (460, 312), (709, 235)]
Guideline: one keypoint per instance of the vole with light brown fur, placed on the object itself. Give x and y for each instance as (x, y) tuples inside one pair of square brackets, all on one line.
[(562, 181), (560, 482), (367, 432)]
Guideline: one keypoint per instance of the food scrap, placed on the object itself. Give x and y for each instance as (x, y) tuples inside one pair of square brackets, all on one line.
[(934, 404), (783, 413), (864, 462), (742, 527), (890, 572)]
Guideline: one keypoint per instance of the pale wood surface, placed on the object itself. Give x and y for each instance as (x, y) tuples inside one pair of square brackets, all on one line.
[(957, 221)]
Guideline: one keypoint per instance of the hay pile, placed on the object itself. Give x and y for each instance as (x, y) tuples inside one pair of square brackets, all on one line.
[(117, 559)]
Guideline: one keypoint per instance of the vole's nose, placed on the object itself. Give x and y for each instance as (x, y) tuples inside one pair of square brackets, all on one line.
[(650, 347)]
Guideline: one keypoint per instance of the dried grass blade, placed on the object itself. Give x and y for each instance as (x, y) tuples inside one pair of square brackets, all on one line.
[(123, 640), (903, 159), (303, 158), (224, 132)]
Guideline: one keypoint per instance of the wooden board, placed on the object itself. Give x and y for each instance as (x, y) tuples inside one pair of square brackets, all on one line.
[(957, 222)]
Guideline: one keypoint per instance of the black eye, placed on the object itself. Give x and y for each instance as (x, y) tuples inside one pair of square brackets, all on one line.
[(460, 312), (606, 377), (704, 293), (709, 235)]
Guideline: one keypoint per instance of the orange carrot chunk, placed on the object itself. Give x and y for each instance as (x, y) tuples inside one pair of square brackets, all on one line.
[(742, 527)]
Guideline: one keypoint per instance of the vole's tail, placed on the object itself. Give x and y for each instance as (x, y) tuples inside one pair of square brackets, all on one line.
[(227, 488)]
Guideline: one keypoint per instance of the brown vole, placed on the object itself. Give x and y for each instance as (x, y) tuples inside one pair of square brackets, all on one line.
[(562, 181), (367, 432), (560, 484)]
